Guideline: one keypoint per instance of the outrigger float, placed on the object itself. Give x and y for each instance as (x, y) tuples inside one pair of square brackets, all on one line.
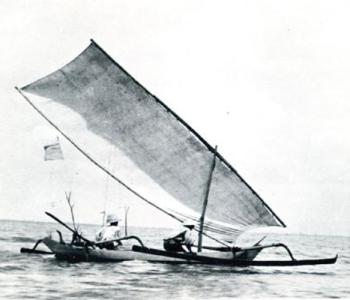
[(179, 161)]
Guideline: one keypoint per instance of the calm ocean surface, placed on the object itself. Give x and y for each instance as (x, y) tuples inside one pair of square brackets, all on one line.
[(25, 276)]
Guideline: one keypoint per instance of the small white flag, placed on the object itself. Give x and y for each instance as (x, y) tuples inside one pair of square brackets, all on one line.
[(53, 151)]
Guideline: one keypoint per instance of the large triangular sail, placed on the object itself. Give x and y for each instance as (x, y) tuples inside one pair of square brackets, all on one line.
[(120, 110)]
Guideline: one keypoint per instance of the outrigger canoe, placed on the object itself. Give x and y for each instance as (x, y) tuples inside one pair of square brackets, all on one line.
[(84, 250), (175, 159), (237, 258)]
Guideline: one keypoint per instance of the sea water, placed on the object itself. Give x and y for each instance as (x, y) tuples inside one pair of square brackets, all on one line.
[(28, 276)]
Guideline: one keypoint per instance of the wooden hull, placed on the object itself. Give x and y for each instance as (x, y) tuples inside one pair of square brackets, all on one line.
[(124, 253)]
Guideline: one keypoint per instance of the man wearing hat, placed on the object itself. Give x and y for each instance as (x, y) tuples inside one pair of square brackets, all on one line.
[(110, 232), (184, 241)]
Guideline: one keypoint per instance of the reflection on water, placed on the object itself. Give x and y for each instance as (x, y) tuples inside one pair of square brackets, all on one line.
[(24, 276)]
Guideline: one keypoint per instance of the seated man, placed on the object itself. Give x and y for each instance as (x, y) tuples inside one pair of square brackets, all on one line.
[(108, 234), (77, 240), (183, 241)]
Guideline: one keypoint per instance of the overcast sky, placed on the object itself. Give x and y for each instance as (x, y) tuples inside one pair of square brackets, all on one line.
[(267, 81)]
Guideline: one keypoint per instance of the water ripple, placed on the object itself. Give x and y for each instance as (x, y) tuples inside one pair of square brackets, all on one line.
[(43, 277)]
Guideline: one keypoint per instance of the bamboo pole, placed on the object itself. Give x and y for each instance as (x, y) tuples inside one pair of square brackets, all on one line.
[(205, 203)]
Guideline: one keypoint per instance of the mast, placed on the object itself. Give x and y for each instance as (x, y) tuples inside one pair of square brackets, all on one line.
[(205, 203)]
